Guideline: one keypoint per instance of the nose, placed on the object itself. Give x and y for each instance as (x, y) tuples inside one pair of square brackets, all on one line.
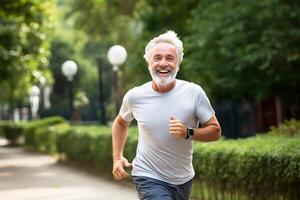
[(163, 62)]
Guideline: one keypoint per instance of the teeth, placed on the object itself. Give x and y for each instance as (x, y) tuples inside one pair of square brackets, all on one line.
[(163, 71)]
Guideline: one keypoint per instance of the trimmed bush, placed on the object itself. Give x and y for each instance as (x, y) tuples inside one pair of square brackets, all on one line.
[(261, 167), (93, 144), (12, 131), (46, 138), (75, 143), (288, 128), (31, 127)]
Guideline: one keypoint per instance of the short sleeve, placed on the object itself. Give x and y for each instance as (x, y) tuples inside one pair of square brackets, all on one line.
[(204, 110), (125, 110)]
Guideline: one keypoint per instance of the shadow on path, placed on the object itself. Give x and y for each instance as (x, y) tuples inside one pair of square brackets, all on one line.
[(33, 176)]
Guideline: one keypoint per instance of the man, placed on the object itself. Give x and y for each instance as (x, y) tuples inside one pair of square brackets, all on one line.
[(168, 112)]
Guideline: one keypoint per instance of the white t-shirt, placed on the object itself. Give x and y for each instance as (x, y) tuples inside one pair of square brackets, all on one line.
[(160, 155)]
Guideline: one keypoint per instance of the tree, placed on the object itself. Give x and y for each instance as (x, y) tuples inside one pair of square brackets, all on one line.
[(246, 49), (153, 18), (102, 24), (25, 27)]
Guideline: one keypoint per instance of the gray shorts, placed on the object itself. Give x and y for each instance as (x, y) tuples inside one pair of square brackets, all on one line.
[(152, 189)]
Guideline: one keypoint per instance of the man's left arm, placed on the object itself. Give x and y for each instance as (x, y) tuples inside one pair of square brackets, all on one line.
[(210, 130)]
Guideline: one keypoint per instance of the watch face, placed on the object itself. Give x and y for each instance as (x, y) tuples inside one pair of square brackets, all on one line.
[(191, 132)]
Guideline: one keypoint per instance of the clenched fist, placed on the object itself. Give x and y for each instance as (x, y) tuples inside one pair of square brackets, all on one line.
[(177, 128)]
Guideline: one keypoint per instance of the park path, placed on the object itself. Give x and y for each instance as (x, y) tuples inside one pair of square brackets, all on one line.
[(27, 175)]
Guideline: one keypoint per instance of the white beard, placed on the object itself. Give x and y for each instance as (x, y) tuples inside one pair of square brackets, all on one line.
[(165, 80)]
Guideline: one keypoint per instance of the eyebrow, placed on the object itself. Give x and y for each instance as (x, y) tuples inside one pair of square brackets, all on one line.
[(168, 55)]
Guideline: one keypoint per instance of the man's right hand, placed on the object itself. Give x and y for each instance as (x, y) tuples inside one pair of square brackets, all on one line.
[(118, 168)]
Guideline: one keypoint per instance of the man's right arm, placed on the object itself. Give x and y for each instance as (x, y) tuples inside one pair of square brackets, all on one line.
[(119, 135)]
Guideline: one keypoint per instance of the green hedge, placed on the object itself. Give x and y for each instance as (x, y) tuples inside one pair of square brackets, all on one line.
[(266, 166), (93, 144), (288, 128), (30, 129), (261, 167), (12, 131), (46, 138)]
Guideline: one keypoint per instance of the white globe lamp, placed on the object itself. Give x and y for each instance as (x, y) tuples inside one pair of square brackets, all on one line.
[(69, 69), (116, 56)]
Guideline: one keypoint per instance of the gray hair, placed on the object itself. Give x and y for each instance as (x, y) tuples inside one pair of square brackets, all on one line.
[(168, 37)]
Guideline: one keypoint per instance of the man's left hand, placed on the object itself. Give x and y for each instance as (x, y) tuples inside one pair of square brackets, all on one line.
[(177, 128)]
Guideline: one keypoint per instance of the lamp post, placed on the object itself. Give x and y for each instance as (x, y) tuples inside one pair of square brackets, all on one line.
[(42, 81), (45, 93), (100, 63), (42, 84), (34, 99), (69, 69), (116, 56)]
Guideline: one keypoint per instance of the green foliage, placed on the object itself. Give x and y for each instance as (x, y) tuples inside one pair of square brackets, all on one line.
[(45, 137), (96, 26), (288, 128), (93, 144), (11, 131), (159, 16), (101, 148), (61, 51), (109, 16), (242, 55), (81, 99), (248, 166), (14, 130), (228, 50), (150, 19), (90, 144), (70, 44), (25, 27), (78, 140), (30, 129)]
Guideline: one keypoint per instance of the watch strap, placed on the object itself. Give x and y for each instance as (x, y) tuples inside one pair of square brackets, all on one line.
[(187, 133)]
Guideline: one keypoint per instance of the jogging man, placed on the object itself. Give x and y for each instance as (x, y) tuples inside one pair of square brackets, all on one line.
[(168, 112)]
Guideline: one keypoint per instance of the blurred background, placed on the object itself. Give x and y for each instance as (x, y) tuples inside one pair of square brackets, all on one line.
[(245, 55)]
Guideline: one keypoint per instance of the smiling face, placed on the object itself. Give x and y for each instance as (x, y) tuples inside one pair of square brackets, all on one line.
[(163, 63)]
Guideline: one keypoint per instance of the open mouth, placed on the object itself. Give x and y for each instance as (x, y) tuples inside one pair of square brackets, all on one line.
[(163, 72)]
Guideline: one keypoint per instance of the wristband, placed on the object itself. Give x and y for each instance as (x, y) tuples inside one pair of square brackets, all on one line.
[(187, 133)]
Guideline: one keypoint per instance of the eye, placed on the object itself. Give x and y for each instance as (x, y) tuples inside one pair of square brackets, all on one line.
[(170, 58), (156, 58)]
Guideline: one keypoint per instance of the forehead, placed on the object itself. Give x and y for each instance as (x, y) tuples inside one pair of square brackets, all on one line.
[(164, 48)]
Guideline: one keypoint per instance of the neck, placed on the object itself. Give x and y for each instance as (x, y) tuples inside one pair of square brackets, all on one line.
[(163, 88)]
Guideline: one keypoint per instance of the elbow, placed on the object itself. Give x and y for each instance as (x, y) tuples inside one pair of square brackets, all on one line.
[(218, 133), (120, 123)]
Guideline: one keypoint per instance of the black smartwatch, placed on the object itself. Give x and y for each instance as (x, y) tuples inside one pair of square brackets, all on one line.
[(189, 133)]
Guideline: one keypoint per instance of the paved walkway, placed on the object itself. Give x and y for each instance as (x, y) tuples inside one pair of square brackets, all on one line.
[(32, 176)]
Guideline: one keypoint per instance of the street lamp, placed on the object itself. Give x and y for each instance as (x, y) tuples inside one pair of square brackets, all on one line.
[(42, 81), (42, 84), (116, 56), (69, 69), (100, 63), (34, 99), (45, 93)]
